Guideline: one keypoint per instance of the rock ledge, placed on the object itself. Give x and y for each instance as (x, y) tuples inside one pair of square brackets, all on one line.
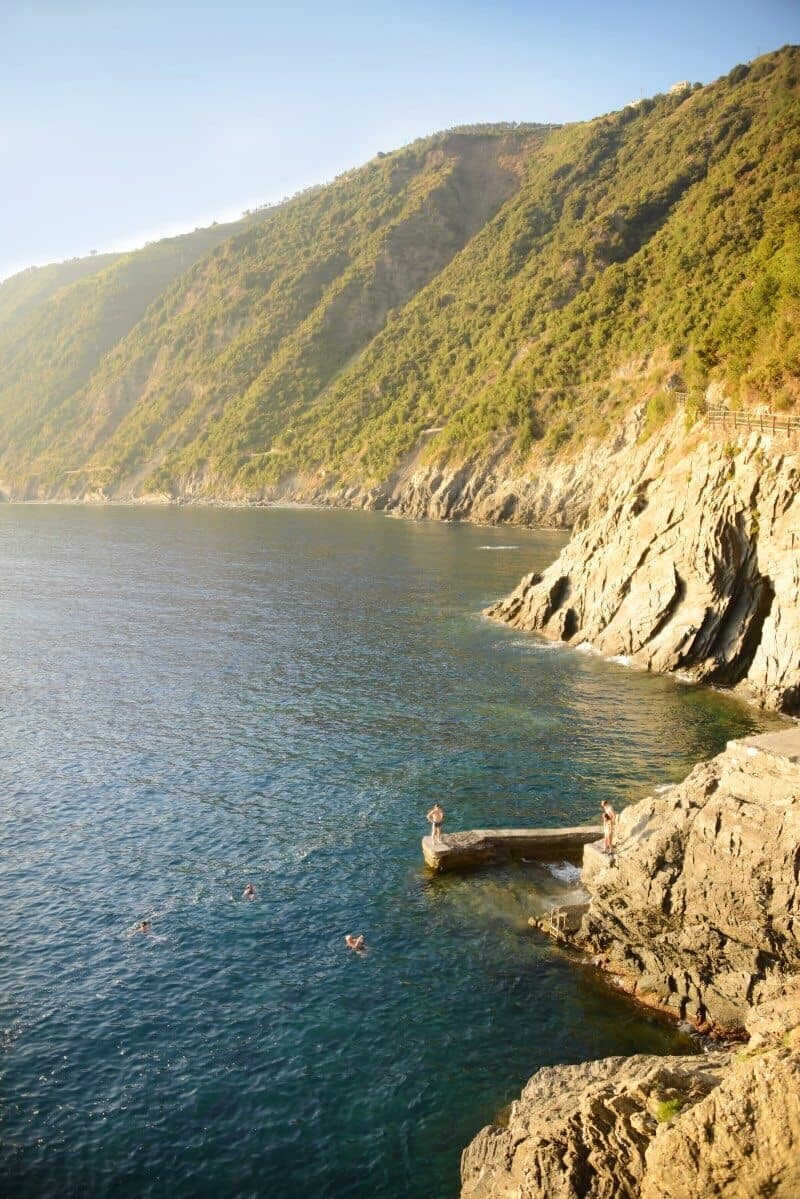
[(697, 913)]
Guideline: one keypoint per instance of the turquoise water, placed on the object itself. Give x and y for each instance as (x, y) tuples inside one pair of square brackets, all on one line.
[(194, 699)]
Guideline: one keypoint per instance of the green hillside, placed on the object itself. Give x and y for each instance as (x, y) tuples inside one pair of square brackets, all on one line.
[(516, 285), (26, 291), (58, 322)]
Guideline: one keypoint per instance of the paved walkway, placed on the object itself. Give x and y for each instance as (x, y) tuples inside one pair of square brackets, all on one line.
[(478, 847)]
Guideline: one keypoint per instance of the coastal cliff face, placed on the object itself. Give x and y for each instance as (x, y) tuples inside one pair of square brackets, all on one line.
[(698, 912), (685, 556), (689, 561), (719, 1124), (494, 488)]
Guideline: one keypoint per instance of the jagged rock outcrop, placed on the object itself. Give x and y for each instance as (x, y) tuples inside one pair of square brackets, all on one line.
[(698, 912), (689, 562), (494, 488), (743, 1139), (579, 1131), (719, 1124)]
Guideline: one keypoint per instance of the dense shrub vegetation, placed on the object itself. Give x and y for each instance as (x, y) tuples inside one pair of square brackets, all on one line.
[(515, 284)]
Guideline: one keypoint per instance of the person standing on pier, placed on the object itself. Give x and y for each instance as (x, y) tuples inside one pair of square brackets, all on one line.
[(609, 825), (436, 817)]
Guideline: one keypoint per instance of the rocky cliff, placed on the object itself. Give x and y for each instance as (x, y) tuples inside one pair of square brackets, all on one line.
[(689, 561), (698, 912), (492, 488), (719, 1124), (686, 552)]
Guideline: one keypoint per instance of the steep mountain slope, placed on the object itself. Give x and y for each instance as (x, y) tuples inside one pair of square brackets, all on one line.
[(475, 304), (22, 293), (652, 241), (57, 322), (236, 344)]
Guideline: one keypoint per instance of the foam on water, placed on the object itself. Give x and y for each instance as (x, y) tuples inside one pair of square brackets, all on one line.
[(533, 646), (194, 699), (566, 873)]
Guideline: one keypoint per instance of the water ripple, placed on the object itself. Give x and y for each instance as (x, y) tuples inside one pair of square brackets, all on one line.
[(192, 700)]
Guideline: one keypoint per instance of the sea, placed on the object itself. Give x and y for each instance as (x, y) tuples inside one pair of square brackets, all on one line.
[(194, 699)]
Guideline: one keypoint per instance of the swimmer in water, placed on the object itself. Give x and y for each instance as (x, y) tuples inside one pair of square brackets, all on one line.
[(356, 943), (143, 927), (249, 892)]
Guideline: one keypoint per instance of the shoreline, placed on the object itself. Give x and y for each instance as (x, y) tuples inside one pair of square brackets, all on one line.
[(286, 504), (690, 919), (625, 662)]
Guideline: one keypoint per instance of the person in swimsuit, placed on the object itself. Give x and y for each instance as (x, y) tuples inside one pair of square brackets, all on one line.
[(143, 927), (356, 943), (436, 817), (249, 892), (609, 823)]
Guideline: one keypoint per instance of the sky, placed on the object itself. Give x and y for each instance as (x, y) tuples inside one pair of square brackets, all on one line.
[(125, 120)]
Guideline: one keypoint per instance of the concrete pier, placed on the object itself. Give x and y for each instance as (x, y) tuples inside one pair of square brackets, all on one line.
[(483, 846)]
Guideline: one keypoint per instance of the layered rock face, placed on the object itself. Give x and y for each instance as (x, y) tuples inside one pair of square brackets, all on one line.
[(582, 1130), (689, 562), (700, 908), (719, 1124), (491, 489), (697, 912), (743, 1140), (492, 492)]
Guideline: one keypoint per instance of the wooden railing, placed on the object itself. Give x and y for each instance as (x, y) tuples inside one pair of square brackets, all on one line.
[(775, 423)]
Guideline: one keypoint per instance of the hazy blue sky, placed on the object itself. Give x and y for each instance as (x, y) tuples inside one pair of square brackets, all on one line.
[(124, 119)]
